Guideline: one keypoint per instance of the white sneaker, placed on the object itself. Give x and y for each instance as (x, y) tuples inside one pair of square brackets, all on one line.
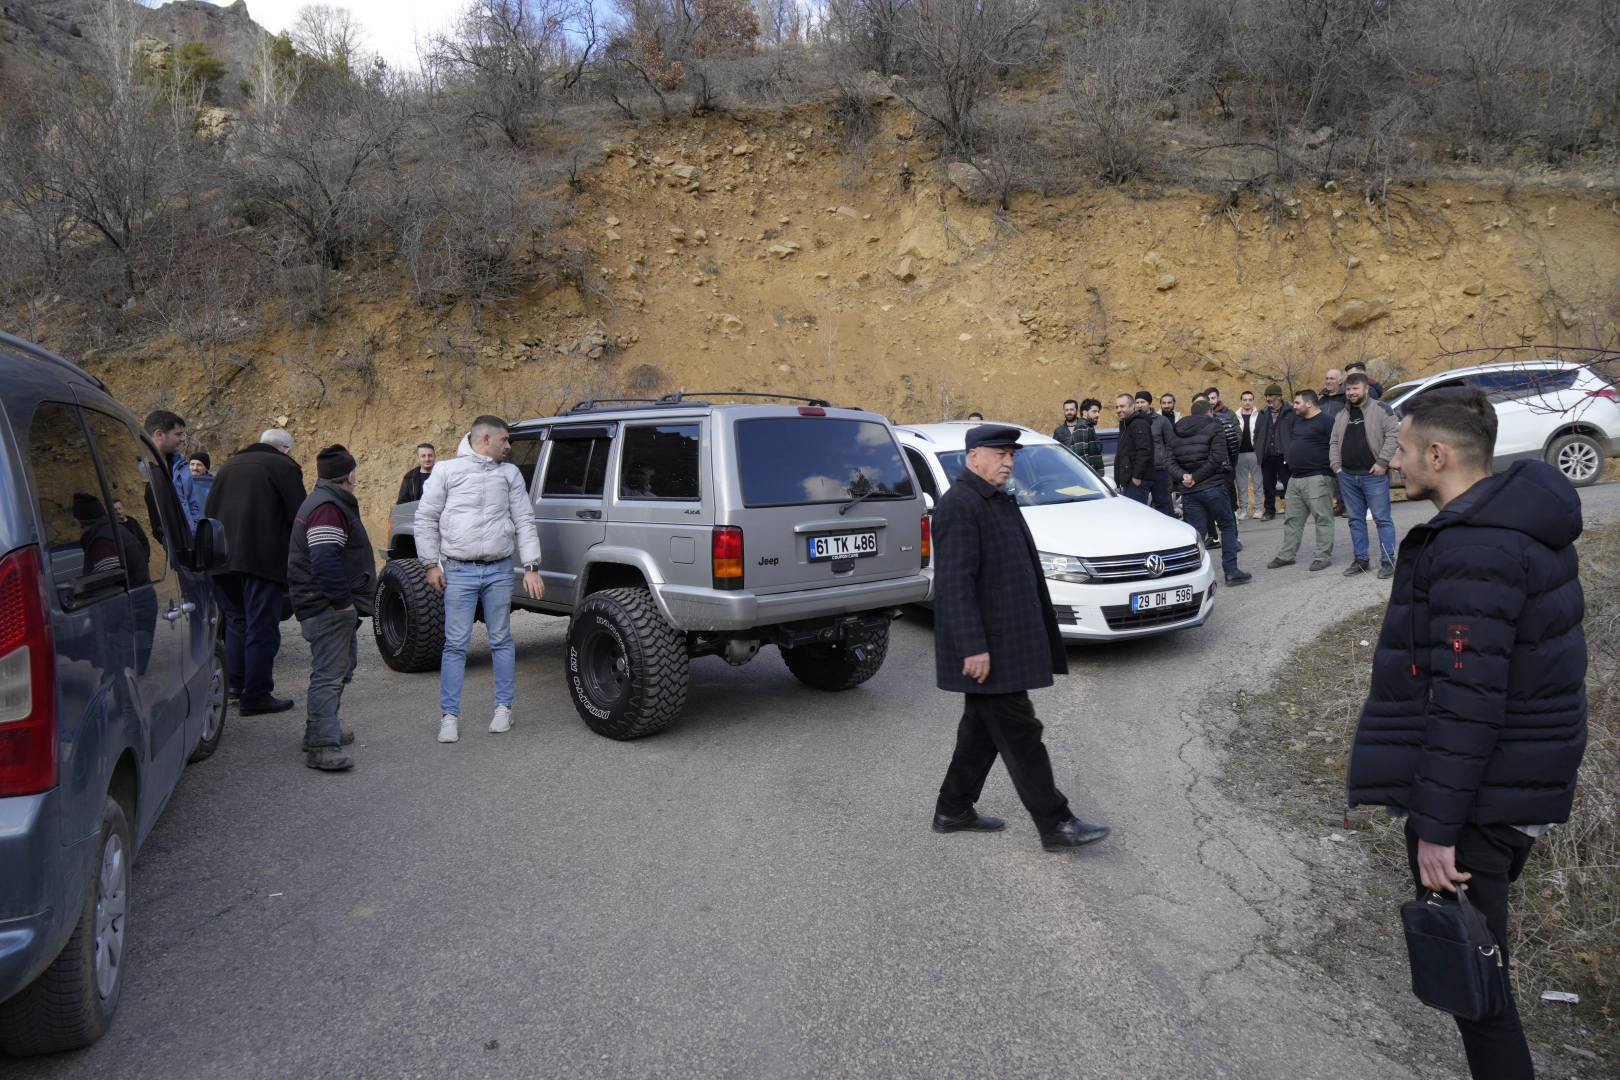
[(503, 719), (447, 728)]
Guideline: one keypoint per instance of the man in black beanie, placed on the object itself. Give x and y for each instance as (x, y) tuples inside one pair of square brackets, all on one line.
[(331, 577)]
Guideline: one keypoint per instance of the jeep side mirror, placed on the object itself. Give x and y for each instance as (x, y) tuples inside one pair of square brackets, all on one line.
[(209, 550)]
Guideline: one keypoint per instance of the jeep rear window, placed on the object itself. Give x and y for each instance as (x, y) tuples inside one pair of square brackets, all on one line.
[(793, 460)]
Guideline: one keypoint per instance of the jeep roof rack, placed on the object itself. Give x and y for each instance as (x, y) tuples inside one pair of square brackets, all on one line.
[(680, 397)]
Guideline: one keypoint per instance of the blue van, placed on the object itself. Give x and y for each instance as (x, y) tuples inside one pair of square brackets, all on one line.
[(112, 678)]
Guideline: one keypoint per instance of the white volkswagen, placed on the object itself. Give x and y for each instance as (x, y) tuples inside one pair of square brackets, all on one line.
[(1115, 568)]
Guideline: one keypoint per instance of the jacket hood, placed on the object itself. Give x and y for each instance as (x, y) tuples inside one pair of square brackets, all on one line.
[(1188, 426), (464, 450), (1531, 497)]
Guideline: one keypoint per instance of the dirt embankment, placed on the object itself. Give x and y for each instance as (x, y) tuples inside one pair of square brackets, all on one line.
[(755, 253)]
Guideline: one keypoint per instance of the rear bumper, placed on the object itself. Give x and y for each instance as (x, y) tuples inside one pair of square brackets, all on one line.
[(689, 608), (32, 855)]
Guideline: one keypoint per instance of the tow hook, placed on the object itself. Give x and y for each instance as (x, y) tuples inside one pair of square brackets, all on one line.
[(859, 653)]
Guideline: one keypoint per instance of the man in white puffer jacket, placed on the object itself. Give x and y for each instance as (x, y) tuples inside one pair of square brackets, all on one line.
[(474, 513)]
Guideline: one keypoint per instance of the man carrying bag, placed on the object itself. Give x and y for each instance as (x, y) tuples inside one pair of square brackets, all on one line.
[(1475, 722)]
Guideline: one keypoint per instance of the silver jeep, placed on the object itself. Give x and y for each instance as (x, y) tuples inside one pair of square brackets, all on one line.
[(677, 527)]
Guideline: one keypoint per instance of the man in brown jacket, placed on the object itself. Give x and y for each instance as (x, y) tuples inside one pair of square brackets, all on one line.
[(1364, 439)]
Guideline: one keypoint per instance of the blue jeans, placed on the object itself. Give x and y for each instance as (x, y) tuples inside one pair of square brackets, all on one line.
[(465, 586), (1361, 493), (333, 650), (252, 631), (1161, 493), (1140, 492), (1214, 505)]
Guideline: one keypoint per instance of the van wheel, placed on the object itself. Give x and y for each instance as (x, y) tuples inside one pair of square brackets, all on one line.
[(835, 666), (409, 618), (213, 708), (627, 667), (1578, 457), (72, 1002)]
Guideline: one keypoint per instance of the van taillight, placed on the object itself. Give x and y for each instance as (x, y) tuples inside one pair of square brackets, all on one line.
[(927, 538), (27, 677), (728, 557)]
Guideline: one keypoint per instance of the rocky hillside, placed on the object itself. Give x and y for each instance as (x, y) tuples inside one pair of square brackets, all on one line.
[(751, 252)]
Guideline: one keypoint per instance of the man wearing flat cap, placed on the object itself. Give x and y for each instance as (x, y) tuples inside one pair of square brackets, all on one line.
[(331, 575), (995, 639)]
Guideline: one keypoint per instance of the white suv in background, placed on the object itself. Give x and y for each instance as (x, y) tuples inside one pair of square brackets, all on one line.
[(1115, 568), (1551, 410)]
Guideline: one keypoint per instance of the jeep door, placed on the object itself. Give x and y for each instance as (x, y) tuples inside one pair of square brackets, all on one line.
[(800, 486), (568, 503), (660, 503)]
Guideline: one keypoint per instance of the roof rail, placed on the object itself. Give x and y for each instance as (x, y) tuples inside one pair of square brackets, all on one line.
[(681, 397), (592, 404)]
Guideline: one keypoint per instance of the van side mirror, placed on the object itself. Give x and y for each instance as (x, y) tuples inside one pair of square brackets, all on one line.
[(209, 551)]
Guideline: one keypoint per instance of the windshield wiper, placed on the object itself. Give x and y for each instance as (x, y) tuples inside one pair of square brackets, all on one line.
[(842, 510)]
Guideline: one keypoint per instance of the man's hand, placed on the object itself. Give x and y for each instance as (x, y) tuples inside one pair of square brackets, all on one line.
[(533, 585), (1437, 867), (977, 667), (1186, 479), (349, 608), (1380, 470), (1136, 482), (435, 578)]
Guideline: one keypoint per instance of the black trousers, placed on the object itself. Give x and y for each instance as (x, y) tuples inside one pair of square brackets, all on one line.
[(1495, 855), (1002, 724), (1273, 471)]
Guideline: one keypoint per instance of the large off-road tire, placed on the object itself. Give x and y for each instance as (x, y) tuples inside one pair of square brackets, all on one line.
[(409, 619), (213, 707), (1579, 457), (627, 667), (835, 666), (72, 1002)]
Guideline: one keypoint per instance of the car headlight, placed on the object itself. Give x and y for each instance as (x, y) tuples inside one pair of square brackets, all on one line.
[(1065, 568)]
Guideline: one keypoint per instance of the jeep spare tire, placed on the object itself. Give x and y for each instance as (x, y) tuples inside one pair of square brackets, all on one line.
[(838, 665), (409, 619), (627, 667)]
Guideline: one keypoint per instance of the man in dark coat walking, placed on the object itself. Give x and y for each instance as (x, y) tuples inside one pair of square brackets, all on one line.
[(995, 639), (256, 495), (1475, 722), (1198, 447)]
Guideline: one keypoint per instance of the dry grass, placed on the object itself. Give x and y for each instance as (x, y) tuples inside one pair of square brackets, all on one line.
[(1294, 741)]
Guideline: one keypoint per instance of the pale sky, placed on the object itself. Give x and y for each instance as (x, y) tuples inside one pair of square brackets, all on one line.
[(393, 27)]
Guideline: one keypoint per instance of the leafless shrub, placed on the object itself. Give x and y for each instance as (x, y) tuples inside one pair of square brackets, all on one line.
[(202, 288), (646, 380), (954, 53), (1286, 357)]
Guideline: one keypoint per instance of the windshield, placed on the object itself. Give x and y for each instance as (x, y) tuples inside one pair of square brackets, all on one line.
[(792, 460), (1395, 392), (1042, 474)]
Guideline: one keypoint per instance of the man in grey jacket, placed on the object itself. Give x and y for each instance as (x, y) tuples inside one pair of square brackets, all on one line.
[(1364, 439), (474, 514)]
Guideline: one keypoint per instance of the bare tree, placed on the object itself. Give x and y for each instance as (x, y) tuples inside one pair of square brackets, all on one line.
[(956, 52), (330, 34)]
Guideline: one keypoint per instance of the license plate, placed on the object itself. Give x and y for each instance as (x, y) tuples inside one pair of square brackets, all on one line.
[(1149, 601), (843, 546)]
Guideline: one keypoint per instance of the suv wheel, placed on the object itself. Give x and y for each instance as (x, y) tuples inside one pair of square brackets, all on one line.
[(835, 666), (213, 708), (627, 667), (1578, 457), (72, 1002), (409, 618)]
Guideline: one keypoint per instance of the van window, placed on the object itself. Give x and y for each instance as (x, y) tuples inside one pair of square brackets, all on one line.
[(80, 538), (137, 503), (1514, 384), (925, 475), (793, 460), (660, 462), (576, 467)]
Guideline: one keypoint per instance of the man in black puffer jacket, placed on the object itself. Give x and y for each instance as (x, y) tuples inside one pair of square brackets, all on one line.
[(1475, 722), (1199, 446)]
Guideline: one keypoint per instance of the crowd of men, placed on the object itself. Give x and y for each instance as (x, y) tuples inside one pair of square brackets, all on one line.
[(1327, 452)]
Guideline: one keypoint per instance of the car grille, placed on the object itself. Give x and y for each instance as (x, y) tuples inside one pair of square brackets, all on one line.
[(1121, 617), (1065, 614), (1135, 568)]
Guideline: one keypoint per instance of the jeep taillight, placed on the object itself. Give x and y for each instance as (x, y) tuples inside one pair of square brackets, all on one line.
[(728, 557), (927, 543), (27, 677)]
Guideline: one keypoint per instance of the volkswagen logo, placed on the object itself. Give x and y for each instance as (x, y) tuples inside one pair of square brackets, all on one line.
[(1154, 564)]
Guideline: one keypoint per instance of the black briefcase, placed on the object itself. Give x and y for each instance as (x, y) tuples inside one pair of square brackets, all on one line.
[(1456, 963)]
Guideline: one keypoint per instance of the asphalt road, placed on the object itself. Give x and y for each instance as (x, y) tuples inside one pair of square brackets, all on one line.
[(755, 893)]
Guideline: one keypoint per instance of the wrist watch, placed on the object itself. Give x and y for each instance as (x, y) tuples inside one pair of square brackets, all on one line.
[(531, 567)]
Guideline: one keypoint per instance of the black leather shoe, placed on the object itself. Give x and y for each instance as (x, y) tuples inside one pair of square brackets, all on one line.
[(343, 740), (1073, 833), (972, 821), (1275, 564), (1240, 578), (267, 704), (1386, 570), (1268, 516)]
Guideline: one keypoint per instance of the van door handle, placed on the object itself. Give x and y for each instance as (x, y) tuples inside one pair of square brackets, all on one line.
[(587, 513), (175, 613)]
